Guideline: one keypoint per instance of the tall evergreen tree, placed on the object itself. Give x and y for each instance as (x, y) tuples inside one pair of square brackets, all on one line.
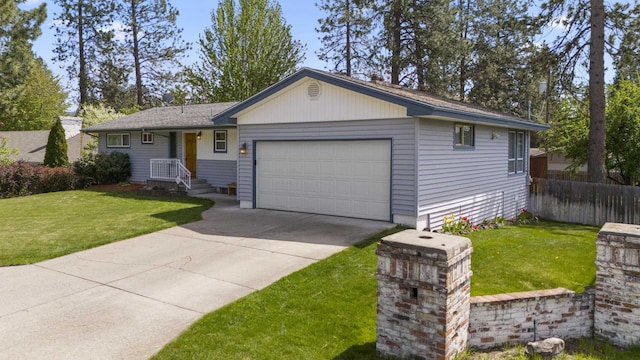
[(83, 36), (155, 45), (502, 70), (247, 48), (627, 56), (346, 35), (112, 85), (56, 151), (18, 28), (584, 41)]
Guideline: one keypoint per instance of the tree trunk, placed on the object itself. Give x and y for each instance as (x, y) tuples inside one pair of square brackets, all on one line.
[(349, 18), (82, 62), (597, 124), (136, 54), (464, 33), (419, 54), (396, 23)]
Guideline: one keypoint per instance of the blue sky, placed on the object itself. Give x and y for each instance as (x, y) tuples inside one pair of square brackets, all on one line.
[(194, 17)]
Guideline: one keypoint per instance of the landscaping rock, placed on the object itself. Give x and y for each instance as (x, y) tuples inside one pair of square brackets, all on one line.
[(548, 348)]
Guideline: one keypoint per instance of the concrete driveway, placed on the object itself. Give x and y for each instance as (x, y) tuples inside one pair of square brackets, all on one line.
[(126, 300)]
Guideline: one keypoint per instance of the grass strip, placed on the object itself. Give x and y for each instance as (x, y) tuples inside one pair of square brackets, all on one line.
[(39, 227), (328, 310)]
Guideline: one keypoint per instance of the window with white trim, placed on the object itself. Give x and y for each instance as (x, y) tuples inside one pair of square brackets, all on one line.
[(220, 141), (516, 152), (464, 135), (147, 138), (122, 140)]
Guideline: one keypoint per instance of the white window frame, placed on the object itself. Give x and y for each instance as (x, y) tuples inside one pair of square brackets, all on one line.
[(224, 142), (146, 137), (459, 136), (517, 151), (121, 143)]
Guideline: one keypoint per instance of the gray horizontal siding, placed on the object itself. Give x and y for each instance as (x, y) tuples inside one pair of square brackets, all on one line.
[(401, 131), (140, 154), (471, 183), (218, 173)]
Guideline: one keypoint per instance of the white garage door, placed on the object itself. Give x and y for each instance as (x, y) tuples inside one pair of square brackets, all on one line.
[(344, 178)]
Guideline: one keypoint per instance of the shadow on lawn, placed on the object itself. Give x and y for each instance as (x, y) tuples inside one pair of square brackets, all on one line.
[(363, 351), (178, 217)]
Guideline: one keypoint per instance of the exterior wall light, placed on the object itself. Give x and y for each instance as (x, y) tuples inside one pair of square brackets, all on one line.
[(199, 135), (243, 148)]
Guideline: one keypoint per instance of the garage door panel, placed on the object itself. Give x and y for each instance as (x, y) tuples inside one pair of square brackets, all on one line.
[(344, 178)]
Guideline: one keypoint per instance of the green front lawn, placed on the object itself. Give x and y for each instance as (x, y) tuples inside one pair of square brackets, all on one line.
[(38, 227), (328, 310), (528, 257)]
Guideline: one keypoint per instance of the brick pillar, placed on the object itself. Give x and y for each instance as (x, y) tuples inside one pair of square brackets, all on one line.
[(617, 314), (423, 295)]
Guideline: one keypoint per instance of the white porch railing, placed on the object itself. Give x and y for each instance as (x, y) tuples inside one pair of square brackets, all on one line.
[(170, 169)]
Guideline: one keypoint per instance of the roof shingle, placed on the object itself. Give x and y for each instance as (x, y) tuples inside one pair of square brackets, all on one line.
[(168, 117)]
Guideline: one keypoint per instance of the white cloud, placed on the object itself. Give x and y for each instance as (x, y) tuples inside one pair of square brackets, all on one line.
[(560, 23), (119, 30)]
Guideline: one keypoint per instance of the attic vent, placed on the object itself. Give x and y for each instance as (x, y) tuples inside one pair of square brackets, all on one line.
[(313, 90)]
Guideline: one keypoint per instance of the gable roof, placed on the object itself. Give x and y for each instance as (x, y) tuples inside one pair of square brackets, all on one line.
[(31, 145), (166, 117), (417, 103)]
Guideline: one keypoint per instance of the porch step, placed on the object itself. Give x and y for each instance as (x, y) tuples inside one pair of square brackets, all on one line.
[(200, 186)]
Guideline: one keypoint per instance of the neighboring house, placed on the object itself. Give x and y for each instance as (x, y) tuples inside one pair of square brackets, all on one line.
[(546, 164), (31, 145), (329, 144)]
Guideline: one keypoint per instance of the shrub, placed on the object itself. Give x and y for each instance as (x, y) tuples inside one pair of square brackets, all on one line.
[(56, 152), (17, 179), (103, 169), (56, 179), (21, 179), (526, 217)]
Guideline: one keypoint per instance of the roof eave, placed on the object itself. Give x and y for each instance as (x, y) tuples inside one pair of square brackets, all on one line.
[(160, 128), (486, 119)]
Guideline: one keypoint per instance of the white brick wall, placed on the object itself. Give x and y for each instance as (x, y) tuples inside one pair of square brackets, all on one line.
[(515, 318), (617, 311)]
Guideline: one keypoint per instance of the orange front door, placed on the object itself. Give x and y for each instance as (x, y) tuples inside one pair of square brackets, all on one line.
[(191, 153)]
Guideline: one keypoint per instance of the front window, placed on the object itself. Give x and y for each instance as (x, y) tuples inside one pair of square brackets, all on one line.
[(464, 135), (147, 138), (516, 152), (220, 141), (119, 140)]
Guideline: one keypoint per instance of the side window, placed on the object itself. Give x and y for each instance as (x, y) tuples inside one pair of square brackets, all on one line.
[(517, 151), (464, 135)]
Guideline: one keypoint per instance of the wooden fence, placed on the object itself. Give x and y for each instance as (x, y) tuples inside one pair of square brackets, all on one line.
[(584, 203)]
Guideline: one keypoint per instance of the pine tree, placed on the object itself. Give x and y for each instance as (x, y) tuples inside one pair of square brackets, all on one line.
[(155, 45), (503, 72), (82, 39), (627, 58), (56, 152), (346, 35)]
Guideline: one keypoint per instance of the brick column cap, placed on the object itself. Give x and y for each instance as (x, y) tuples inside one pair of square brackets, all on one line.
[(620, 229), (451, 245)]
